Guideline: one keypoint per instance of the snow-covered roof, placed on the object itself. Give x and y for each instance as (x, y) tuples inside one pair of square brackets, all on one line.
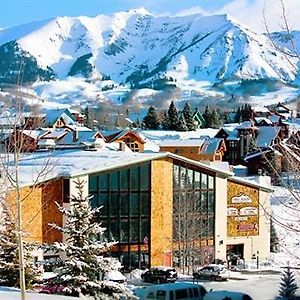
[(35, 134), (211, 146), (81, 137), (55, 133), (78, 128), (274, 118), (266, 136), (181, 143), (233, 136), (261, 119), (246, 125), (72, 163), (52, 115), (260, 109)]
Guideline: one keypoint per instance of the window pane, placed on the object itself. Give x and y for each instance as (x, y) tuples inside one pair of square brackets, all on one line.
[(203, 181), (134, 178), (145, 177), (114, 186), (124, 231), (197, 180), (134, 231), (93, 183), (124, 208), (103, 182), (144, 231), (103, 201), (144, 204), (124, 179), (94, 201), (211, 226), (134, 208), (211, 201), (114, 232), (210, 182), (114, 204), (204, 201)]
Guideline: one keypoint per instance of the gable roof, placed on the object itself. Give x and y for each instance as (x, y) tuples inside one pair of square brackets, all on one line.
[(181, 143), (119, 134), (211, 146), (52, 115), (266, 136)]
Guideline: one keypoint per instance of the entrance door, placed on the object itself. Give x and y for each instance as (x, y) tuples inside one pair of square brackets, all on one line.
[(237, 250)]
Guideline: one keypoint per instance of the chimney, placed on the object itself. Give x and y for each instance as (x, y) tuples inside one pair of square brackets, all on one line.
[(75, 135), (122, 146)]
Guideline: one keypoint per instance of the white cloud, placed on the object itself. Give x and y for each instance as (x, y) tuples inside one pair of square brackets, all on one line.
[(250, 13), (191, 11)]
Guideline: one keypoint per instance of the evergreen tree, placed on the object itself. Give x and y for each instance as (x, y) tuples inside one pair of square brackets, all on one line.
[(173, 117), (207, 117), (274, 241), (238, 116), (165, 121), (288, 285), (181, 126), (215, 119), (86, 263), (9, 255), (188, 116), (151, 120), (212, 118)]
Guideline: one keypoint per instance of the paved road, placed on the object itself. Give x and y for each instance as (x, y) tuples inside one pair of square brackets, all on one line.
[(260, 287)]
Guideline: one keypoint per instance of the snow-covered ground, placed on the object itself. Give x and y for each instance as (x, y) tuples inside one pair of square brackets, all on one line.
[(286, 213)]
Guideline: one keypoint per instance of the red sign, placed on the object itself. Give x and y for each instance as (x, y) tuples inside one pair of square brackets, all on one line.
[(247, 227)]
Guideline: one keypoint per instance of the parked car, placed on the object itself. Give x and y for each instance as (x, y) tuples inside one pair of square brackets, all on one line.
[(115, 276), (220, 295), (171, 291), (212, 272), (160, 275)]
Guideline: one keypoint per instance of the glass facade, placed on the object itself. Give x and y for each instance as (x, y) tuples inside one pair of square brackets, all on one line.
[(124, 195), (193, 215)]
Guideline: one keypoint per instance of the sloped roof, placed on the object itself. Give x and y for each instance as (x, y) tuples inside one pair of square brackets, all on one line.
[(181, 143), (211, 146), (52, 115), (56, 133), (83, 137), (266, 136), (261, 119), (119, 134)]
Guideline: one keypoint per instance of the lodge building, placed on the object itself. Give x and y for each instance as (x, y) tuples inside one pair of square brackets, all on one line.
[(153, 204)]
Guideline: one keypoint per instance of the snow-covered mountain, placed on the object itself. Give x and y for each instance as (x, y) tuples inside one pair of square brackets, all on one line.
[(138, 50)]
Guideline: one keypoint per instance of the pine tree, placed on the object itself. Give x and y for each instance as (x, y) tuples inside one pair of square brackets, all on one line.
[(188, 116), (86, 263), (207, 117), (288, 285), (151, 120), (173, 117), (215, 119), (9, 255), (274, 241), (181, 126), (165, 123)]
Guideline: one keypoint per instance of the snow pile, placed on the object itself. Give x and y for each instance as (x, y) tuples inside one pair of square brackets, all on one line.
[(286, 213)]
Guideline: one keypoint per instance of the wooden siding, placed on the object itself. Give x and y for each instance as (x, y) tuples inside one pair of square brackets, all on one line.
[(38, 210), (161, 211)]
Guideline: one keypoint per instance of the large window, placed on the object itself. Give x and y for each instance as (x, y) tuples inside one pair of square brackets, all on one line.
[(124, 195), (193, 212)]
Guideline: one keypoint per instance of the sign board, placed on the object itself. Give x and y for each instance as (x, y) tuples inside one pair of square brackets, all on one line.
[(242, 210)]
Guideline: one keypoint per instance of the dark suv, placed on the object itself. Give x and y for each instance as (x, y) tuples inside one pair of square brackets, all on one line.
[(160, 275)]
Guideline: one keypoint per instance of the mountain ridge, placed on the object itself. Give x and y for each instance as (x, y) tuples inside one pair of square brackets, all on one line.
[(139, 50)]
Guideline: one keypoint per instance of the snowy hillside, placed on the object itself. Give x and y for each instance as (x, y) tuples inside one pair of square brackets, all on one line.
[(138, 50)]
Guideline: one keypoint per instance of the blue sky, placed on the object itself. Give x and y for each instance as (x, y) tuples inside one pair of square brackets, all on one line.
[(15, 12), (247, 12)]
